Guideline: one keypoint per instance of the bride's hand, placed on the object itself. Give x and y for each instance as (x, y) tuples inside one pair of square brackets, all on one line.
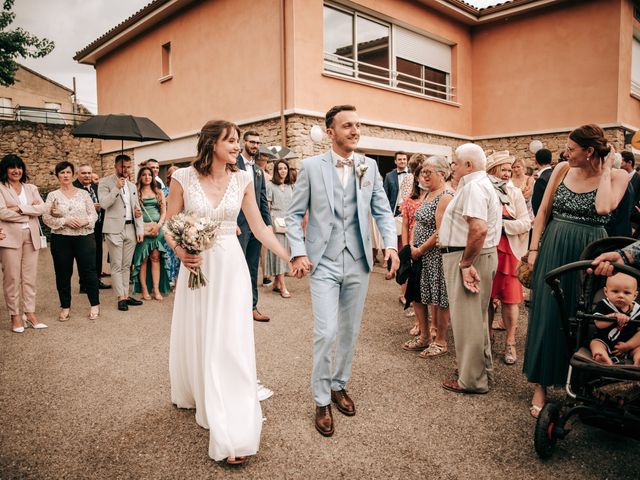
[(190, 260)]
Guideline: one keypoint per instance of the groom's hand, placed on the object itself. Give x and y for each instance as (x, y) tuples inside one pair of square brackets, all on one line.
[(391, 253), (301, 266)]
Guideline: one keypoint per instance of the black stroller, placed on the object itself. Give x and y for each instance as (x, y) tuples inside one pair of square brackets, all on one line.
[(600, 395)]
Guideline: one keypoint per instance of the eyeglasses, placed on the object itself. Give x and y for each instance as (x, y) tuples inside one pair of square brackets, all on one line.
[(571, 149), (427, 173)]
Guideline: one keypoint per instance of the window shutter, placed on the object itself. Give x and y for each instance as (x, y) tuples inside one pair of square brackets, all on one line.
[(420, 49)]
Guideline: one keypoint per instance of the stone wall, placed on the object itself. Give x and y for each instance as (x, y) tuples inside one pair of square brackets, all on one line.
[(41, 146)]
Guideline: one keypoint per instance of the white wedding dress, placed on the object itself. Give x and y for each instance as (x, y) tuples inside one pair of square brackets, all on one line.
[(212, 353)]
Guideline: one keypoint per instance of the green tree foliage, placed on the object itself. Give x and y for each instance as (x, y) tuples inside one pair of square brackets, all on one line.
[(17, 43)]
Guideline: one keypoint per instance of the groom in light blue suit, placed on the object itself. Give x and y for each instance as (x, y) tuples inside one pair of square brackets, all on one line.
[(339, 189)]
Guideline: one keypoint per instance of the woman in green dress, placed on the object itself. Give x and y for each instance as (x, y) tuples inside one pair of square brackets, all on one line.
[(152, 248), (580, 208)]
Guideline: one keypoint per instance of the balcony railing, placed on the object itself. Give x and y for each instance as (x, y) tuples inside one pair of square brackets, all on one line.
[(375, 74), (42, 115)]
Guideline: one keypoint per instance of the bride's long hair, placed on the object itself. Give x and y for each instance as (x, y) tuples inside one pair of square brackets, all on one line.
[(207, 138)]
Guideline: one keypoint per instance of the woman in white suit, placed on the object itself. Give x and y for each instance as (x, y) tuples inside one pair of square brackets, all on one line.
[(20, 207), (516, 224)]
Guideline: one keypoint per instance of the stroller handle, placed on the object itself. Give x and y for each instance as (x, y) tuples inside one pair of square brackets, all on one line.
[(551, 276)]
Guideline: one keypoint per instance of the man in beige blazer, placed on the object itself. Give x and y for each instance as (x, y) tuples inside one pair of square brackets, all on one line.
[(122, 226)]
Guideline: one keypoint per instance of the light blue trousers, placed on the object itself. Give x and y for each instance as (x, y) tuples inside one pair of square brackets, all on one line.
[(338, 291)]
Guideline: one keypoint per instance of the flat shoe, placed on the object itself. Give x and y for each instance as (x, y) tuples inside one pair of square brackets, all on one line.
[(510, 355), (285, 294), (453, 386), (146, 296), (63, 318), (276, 289), (94, 315), (534, 410)]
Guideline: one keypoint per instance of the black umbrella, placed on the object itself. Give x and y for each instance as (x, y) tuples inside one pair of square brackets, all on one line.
[(120, 127)]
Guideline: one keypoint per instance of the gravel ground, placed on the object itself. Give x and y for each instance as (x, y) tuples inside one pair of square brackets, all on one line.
[(88, 399)]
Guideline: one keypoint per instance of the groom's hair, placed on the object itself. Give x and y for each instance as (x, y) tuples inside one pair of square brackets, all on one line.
[(328, 118)]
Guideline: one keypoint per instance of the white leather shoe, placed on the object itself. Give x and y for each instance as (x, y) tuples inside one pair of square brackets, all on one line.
[(17, 329), (28, 323)]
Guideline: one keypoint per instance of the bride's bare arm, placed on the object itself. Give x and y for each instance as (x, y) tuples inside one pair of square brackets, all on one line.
[(175, 204), (261, 231)]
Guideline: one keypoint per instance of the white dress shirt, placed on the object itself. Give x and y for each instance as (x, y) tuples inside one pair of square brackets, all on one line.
[(343, 172), (126, 198), (22, 200), (474, 198)]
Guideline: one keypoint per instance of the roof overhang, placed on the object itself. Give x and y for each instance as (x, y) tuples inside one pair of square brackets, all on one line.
[(158, 10), (154, 13)]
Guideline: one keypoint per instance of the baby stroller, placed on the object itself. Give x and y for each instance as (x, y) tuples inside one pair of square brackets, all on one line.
[(600, 395)]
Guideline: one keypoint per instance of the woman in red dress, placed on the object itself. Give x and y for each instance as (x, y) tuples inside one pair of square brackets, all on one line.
[(516, 223)]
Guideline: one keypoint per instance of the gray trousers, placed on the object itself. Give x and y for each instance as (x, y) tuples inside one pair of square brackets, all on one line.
[(470, 319), (121, 247), (338, 291)]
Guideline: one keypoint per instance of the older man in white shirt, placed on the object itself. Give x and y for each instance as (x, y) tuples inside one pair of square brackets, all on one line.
[(468, 236)]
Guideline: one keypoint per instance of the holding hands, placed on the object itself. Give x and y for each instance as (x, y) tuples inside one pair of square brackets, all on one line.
[(300, 266)]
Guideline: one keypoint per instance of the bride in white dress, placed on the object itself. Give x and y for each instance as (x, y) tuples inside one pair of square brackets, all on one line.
[(212, 353)]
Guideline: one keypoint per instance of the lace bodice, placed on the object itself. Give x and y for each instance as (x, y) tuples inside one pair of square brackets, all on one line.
[(196, 201)]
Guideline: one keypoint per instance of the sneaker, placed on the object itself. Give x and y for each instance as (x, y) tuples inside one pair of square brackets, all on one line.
[(263, 392)]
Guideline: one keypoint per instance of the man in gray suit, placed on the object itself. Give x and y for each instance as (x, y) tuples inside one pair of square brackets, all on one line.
[(339, 189), (122, 227)]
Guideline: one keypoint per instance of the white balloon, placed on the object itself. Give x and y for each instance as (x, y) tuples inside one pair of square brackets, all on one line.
[(316, 134), (535, 145)]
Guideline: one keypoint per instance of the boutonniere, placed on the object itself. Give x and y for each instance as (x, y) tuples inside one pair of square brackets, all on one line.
[(258, 172), (361, 169)]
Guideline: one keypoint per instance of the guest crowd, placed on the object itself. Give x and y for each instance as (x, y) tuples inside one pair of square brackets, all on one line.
[(463, 226)]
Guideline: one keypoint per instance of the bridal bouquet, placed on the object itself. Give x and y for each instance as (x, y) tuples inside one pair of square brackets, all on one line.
[(194, 234)]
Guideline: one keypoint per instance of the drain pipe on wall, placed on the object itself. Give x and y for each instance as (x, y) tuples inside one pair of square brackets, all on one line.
[(283, 75)]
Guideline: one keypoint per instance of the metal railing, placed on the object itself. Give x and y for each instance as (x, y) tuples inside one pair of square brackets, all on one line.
[(373, 73), (42, 115)]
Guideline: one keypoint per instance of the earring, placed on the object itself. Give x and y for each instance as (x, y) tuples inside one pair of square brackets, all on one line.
[(588, 158)]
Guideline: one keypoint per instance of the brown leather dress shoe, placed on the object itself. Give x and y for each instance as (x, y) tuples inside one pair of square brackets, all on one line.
[(343, 402), (259, 317), (324, 420)]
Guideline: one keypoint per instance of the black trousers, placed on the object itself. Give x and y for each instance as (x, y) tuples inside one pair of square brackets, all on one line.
[(98, 236), (64, 250), (251, 247)]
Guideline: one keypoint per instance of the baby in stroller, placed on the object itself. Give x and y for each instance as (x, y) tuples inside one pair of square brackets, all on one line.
[(616, 339)]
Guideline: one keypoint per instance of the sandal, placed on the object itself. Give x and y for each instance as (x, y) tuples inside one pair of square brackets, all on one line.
[(535, 410), (402, 300), (236, 461), (510, 356), (415, 344), (415, 330), (146, 296), (285, 294), (410, 312), (434, 350), (64, 318), (94, 314)]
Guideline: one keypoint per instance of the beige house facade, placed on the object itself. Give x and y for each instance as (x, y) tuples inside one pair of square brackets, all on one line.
[(425, 75)]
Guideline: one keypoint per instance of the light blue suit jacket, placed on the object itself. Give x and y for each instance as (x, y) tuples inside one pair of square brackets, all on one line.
[(313, 191)]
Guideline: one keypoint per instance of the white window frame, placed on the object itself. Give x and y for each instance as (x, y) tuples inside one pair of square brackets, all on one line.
[(635, 65), (6, 107), (331, 67)]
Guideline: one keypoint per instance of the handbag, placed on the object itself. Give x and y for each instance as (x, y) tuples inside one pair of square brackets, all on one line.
[(148, 226), (43, 238), (524, 271), (279, 225)]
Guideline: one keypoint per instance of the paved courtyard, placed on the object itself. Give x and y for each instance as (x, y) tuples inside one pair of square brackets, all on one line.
[(91, 400)]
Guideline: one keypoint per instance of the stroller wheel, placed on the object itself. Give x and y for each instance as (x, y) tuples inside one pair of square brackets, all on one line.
[(545, 434)]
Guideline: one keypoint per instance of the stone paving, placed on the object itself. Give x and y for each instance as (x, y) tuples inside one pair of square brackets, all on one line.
[(91, 400)]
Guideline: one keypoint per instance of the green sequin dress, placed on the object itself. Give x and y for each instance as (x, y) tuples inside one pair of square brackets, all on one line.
[(574, 225), (151, 213)]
